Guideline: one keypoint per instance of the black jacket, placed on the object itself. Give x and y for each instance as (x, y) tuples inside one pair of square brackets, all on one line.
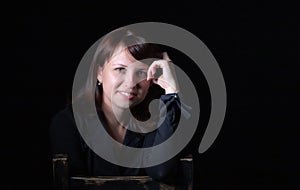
[(65, 138)]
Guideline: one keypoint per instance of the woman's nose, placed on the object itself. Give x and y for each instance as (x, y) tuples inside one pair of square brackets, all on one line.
[(130, 80)]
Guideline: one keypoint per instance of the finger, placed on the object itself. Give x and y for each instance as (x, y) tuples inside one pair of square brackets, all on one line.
[(150, 74), (160, 81), (155, 81), (166, 56), (152, 70)]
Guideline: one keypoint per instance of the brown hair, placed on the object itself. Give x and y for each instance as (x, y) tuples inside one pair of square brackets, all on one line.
[(137, 46)]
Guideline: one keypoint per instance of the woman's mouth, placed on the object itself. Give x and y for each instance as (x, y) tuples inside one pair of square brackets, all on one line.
[(128, 95)]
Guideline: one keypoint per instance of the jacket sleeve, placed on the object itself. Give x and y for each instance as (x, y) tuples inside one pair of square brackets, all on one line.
[(167, 127), (65, 139)]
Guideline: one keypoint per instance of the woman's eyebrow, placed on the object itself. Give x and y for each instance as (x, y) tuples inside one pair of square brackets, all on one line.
[(119, 64)]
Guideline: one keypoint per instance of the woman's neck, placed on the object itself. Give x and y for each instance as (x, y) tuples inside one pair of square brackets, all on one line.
[(116, 121)]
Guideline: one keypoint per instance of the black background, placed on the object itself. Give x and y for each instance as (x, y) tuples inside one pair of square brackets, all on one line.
[(256, 45)]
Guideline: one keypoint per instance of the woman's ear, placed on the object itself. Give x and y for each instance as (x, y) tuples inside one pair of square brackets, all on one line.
[(99, 75)]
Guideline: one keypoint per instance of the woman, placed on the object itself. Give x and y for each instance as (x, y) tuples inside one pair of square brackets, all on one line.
[(122, 83)]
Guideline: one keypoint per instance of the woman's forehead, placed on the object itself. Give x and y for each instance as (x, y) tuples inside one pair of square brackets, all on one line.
[(122, 56)]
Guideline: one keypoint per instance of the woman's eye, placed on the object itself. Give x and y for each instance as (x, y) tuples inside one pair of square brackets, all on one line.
[(120, 69), (142, 74)]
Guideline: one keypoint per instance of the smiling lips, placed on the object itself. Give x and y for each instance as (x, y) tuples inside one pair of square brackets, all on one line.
[(128, 95)]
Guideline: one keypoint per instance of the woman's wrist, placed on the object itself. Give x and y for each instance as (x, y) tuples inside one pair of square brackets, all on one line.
[(171, 90)]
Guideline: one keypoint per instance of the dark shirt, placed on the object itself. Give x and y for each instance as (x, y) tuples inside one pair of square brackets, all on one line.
[(65, 138)]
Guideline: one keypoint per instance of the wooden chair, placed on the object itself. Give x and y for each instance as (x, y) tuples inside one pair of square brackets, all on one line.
[(63, 181)]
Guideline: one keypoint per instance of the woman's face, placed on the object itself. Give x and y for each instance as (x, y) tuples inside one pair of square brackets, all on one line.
[(123, 80)]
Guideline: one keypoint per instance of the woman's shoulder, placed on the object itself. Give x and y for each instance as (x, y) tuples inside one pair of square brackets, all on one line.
[(63, 117), (63, 132), (67, 111)]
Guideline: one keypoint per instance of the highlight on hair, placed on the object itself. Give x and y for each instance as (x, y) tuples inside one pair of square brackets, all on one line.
[(137, 46)]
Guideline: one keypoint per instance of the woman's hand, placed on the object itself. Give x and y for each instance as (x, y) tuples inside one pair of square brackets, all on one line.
[(167, 80)]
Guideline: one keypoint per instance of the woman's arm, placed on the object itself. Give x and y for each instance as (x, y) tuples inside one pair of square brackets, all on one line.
[(161, 134)]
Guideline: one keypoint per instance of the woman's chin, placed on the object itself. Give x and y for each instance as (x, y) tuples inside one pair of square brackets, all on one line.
[(125, 104)]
